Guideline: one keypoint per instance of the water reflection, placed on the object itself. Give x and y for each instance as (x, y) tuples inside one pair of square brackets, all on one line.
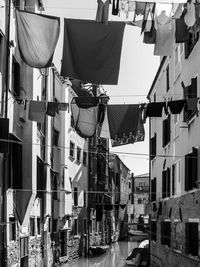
[(114, 257)]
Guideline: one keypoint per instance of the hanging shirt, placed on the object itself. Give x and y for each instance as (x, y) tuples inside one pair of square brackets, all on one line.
[(190, 14), (181, 31), (164, 36), (102, 11), (92, 51), (84, 119), (37, 110), (154, 109), (37, 36)]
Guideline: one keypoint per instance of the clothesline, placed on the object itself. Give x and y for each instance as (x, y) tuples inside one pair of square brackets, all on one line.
[(97, 153)]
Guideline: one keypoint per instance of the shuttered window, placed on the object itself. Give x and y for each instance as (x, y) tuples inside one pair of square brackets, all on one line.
[(166, 131), (191, 238), (153, 230), (166, 233), (166, 187), (153, 189), (191, 170)]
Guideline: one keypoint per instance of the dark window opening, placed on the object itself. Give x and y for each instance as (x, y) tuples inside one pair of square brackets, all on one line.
[(16, 79), (166, 131), (166, 183), (84, 158), (32, 226), (78, 154), (41, 178), (38, 226), (63, 239), (71, 151), (55, 137), (166, 233), (191, 238), (12, 228), (153, 189), (153, 230), (191, 170), (75, 196), (153, 147), (55, 185), (76, 227), (167, 78)]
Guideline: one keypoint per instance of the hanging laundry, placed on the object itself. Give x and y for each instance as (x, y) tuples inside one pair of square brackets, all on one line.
[(84, 119), (86, 102), (165, 30), (125, 124), (63, 106), (92, 51), (4, 135), (191, 104), (149, 9), (124, 8), (196, 27), (37, 110), (131, 6), (181, 31), (178, 11), (37, 36), (150, 36), (105, 131), (103, 11), (139, 8), (52, 108), (190, 14), (176, 106), (115, 7), (154, 109)]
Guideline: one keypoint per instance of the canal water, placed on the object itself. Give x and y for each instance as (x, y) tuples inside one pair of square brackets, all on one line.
[(114, 257)]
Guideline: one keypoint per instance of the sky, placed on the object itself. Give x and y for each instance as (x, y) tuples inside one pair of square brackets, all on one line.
[(138, 68)]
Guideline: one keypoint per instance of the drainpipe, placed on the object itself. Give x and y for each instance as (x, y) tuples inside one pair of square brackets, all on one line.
[(3, 240)]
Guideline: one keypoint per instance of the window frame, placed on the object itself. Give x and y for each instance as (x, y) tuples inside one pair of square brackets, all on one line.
[(71, 149)]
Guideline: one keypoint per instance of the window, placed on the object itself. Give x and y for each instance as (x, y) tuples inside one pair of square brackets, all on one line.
[(84, 199), (75, 196), (54, 185), (71, 151), (78, 155), (166, 233), (75, 226), (153, 230), (167, 79), (12, 229), (189, 45), (41, 178), (16, 79), (85, 226), (139, 201), (63, 241), (84, 158), (153, 147), (32, 226), (38, 226), (191, 170), (190, 92), (166, 131), (55, 137), (191, 238), (23, 247), (153, 189), (166, 183)]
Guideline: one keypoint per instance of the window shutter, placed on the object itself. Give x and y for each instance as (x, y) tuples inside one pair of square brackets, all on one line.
[(168, 187), (186, 172), (173, 179), (194, 156), (194, 238), (163, 184)]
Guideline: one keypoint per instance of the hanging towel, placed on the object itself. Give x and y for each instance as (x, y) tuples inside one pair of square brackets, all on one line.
[(105, 131), (37, 37), (149, 9), (176, 106), (84, 120), (196, 27), (63, 106), (164, 35), (92, 50), (125, 124), (52, 109), (4, 134), (37, 110), (102, 11), (190, 14), (181, 31), (154, 109), (115, 7)]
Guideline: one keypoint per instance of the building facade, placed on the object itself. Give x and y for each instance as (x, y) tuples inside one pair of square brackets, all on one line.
[(174, 160)]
